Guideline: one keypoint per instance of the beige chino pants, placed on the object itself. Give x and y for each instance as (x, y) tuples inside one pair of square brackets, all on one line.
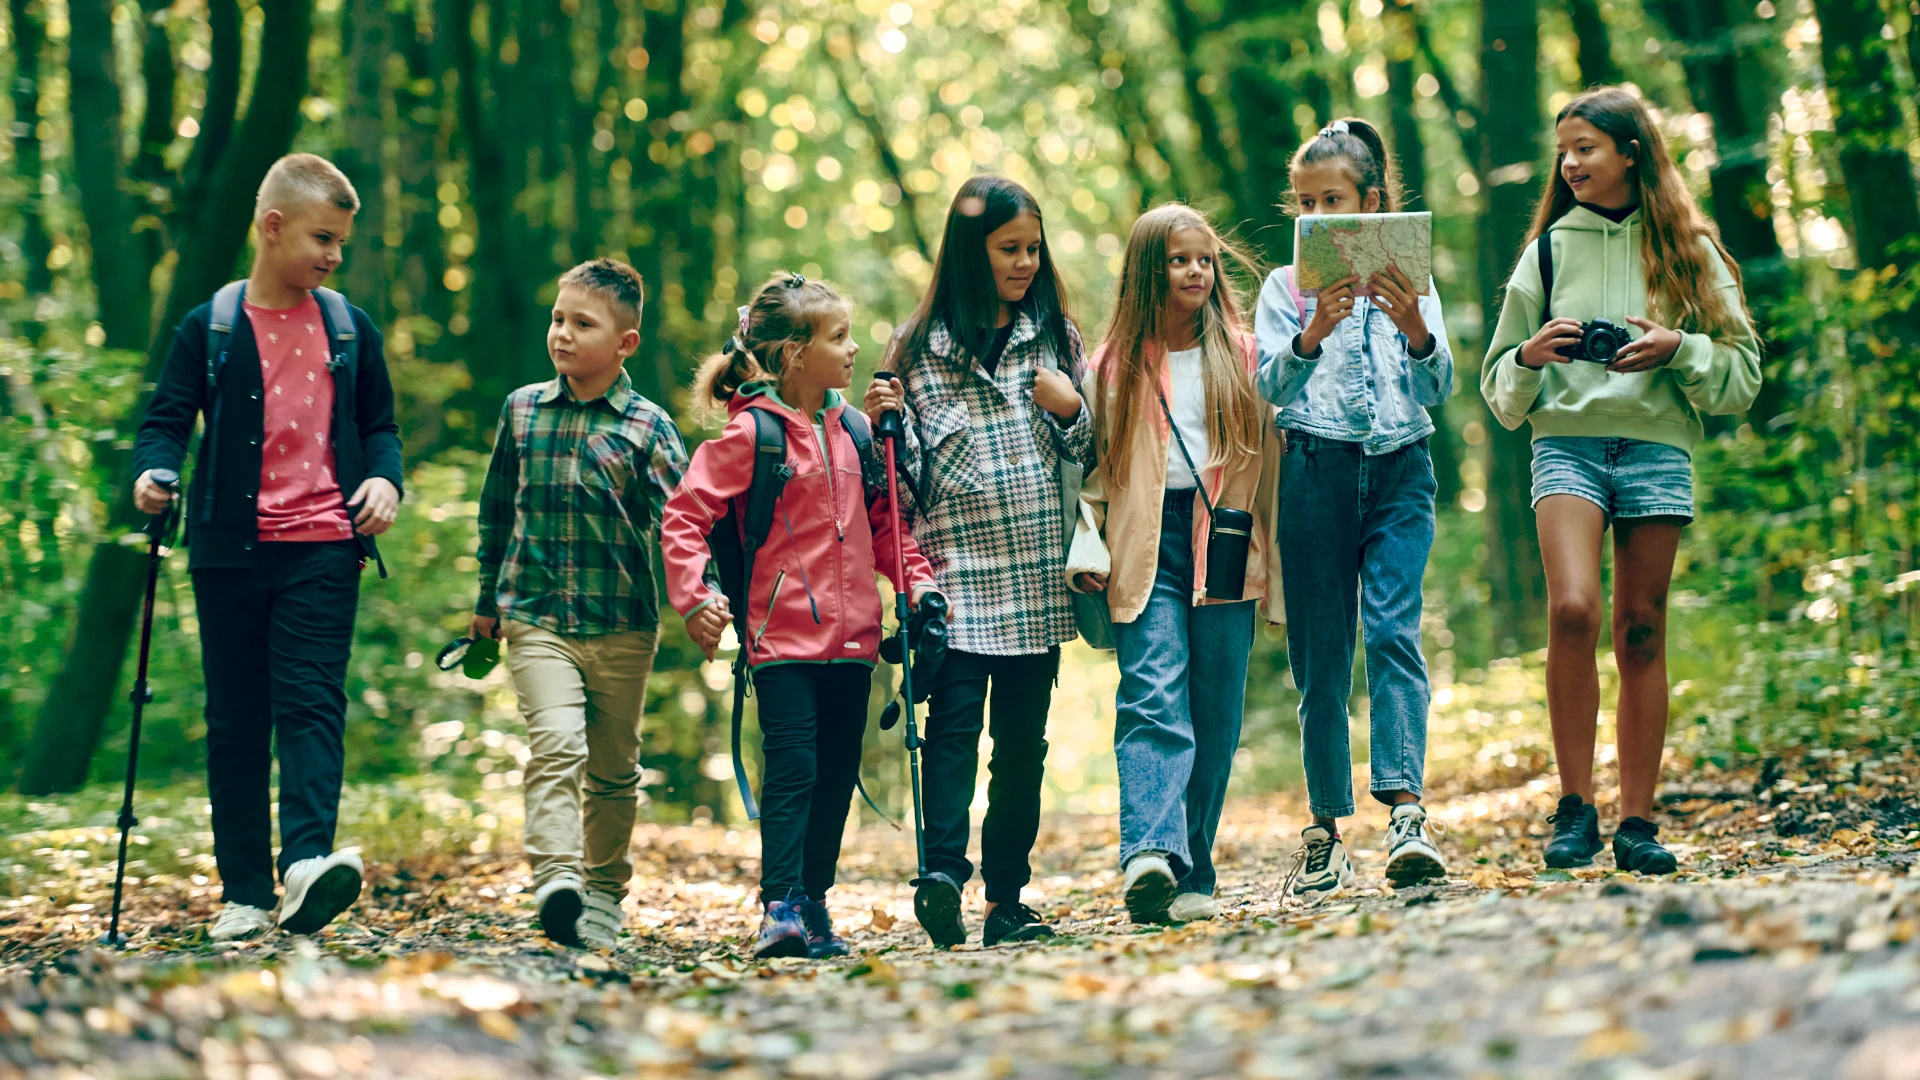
[(581, 698)]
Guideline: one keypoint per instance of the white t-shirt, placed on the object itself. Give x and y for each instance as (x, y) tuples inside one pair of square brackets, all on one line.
[(1189, 407)]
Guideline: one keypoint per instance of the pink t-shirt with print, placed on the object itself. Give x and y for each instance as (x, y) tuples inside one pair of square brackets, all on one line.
[(300, 498)]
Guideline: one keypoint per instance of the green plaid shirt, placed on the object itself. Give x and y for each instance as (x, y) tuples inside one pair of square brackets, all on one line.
[(570, 514)]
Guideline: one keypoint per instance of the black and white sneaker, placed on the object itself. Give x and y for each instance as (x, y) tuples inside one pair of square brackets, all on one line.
[(1412, 856), (936, 903), (1637, 847), (319, 889), (1576, 834), (1150, 888), (1013, 923), (1320, 867)]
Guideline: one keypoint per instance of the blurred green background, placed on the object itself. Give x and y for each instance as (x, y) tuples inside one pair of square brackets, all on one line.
[(710, 142)]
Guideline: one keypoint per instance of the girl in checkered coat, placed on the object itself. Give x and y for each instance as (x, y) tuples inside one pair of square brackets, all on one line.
[(988, 367)]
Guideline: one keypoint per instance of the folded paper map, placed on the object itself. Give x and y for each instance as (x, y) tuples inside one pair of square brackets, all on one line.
[(1328, 247)]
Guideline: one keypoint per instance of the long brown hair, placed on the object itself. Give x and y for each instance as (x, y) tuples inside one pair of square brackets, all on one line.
[(962, 296), (1133, 353), (1680, 288), (1358, 146), (788, 310)]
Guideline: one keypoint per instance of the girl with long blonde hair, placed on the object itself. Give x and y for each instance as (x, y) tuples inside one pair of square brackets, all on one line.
[(1623, 322), (1182, 438)]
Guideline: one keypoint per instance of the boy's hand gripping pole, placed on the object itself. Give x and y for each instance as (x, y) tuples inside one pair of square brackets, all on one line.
[(892, 432), (158, 531)]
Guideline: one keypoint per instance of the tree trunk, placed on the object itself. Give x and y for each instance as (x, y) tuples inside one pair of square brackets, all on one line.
[(1229, 169), (1868, 125), (82, 692), (29, 34), (157, 70), (1509, 152), (1595, 45), (369, 44), (119, 271)]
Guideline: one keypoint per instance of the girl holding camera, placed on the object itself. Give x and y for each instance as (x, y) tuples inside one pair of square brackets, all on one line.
[(1617, 242), (1167, 534), (1354, 377)]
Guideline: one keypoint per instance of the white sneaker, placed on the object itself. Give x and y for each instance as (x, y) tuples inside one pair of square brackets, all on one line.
[(1411, 854), (1320, 867), (560, 902), (238, 922), (1193, 907), (1150, 887), (319, 889), (601, 922)]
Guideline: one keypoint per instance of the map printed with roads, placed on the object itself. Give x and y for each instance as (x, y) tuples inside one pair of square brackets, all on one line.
[(1328, 247)]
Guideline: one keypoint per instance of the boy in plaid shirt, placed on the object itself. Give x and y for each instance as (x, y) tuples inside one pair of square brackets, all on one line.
[(569, 521)]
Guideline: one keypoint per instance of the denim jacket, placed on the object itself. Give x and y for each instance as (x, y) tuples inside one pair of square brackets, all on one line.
[(1364, 387)]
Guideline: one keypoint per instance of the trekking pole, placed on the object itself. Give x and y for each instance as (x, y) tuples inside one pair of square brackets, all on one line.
[(157, 530), (892, 431)]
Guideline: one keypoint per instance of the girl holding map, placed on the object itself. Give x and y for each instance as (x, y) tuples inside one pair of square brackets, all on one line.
[(1615, 414), (1353, 376), (1183, 441)]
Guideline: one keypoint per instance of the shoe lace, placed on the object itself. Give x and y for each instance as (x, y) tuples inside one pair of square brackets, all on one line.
[(1020, 913), (818, 922), (1310, 857), (1567, 822)]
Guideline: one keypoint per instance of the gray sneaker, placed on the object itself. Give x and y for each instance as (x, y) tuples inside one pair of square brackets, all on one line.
[(1320, 867), (1412, 856), (600, 921)]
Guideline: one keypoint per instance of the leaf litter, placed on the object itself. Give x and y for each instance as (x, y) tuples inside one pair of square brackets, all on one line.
[(1785, 947)]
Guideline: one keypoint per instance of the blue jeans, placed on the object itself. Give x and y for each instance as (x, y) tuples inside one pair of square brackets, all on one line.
[(1183, 687), (1627, 478), (1355, 531)]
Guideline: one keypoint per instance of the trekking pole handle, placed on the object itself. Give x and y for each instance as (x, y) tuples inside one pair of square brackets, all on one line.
[(891, 426), (162, 521)]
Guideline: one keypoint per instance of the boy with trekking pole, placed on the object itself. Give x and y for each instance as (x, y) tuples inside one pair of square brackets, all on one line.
[(298, 471)]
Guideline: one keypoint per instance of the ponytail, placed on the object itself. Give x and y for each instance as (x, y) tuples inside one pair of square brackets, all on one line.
[(721, 376), (787, 310), (1359, 146)]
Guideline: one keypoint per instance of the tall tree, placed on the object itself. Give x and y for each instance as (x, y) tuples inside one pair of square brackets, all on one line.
[(120, 275), (369, 48), (1869, 126), (1593, 43), (81, 694), (1510, 159), (29, 35)]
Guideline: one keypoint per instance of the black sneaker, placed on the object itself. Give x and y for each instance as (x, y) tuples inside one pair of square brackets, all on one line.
[(1636, 847), (1014, 922), (1576, 834), (822, 942), (936, 903)]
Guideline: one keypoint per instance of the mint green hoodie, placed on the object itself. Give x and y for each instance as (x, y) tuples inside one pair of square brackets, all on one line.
[(1597, 275)]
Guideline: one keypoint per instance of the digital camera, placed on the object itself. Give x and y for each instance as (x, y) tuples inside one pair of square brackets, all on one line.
[(1599, 342)]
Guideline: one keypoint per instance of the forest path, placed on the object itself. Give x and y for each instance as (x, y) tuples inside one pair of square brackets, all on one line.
[(1770, 956)]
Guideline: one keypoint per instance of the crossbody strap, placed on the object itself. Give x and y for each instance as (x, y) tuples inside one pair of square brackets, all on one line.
[(1182, 443), (1543, 248)]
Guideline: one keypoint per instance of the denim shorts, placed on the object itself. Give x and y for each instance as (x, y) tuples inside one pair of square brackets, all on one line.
[(1626, 478)]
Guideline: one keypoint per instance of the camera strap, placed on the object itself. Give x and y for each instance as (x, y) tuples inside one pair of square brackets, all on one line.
[(1182, 443), (1543, 248)]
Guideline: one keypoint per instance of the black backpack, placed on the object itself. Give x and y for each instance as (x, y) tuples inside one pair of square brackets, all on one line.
[(737, 537)]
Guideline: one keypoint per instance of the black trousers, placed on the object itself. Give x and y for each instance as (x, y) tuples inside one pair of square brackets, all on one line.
[(273, 646), (1021, 688), (812, 720)]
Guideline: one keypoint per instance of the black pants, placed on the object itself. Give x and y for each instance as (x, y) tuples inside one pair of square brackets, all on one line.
[(1022, 688), (273, 645), (812, 720)]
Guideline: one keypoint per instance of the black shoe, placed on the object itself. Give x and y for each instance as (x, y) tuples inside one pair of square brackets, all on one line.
[(936, 903), (822, 942), (1576, 834), (1636, 847), (1014, 922)]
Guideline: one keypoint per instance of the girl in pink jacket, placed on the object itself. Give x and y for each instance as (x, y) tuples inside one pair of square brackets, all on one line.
[(813, 610)]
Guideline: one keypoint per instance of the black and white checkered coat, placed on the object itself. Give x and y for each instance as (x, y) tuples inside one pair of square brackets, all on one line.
[(988, 459)]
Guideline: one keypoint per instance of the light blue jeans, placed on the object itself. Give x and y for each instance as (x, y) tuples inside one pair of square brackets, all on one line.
[(1355, 532), (1183, 686)]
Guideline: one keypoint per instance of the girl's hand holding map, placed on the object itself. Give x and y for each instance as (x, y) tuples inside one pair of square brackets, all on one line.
[(1335, 304), (1395, 295)]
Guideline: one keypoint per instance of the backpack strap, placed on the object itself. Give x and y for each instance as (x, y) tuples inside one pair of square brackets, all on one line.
[(226, 311), (770, 475), (873, 474), (1293, 289), (1543, 250)]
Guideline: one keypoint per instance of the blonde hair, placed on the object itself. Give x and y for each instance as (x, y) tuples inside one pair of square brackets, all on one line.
[(1680, 279), (1357, 145), (613, 281), (302, 178), (1133, 353), (788, 310)]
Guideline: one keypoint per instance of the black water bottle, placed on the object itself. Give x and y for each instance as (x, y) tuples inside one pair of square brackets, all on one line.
[(1228, 542)]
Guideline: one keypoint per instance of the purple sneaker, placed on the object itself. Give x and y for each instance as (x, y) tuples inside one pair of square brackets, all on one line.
[(782, 933), (822, 942)]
